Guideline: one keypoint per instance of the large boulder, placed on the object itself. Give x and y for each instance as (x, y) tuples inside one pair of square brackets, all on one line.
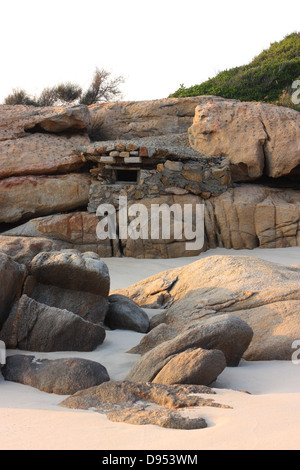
[(60, 376), (258, 138), (68, 279), (125, 314), (32, 326), (226, 333), (193, 366), (27, 196), (264, 294), (12, 276)]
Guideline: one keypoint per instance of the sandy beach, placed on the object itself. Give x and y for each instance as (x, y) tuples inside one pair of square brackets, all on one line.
[(267, 417)]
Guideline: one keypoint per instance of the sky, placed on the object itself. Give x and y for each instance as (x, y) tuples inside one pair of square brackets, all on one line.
[(155, 45)]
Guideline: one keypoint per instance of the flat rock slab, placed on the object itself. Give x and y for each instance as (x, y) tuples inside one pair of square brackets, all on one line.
[(144, 403), (61, 376), (16, 120), (38, 154), (22, 197), (161, 417)]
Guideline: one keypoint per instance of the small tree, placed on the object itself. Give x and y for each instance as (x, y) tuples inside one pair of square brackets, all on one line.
[(102, 88)]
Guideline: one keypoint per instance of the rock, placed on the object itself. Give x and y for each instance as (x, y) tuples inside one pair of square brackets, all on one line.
[(145, 118), (78, 229), (163, 418), (125, 393), (275, 326), (257, 138), (249, 216), (15, 120), (72, 270), (144, 403), (38, 154), (60, 376), (32, 326), (72, 118), (24, 249), (193, 366), (70, 280), (227, 333), (125, 314), (12, 276), (27, 196), (216, 285), (172, 246), (156, 336), (90, 307), (243, 217)]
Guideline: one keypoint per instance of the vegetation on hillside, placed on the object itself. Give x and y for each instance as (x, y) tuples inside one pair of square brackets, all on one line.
[(102, 88), (269, 77)]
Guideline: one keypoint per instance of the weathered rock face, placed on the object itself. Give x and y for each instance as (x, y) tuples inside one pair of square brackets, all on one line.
[(246, 216), (141, 403), (60, 376), (33, 326), (194, 366), (131, 119), (257, 138), (257, 291), (249, 216), (227, 333), (28, 196), (38, 154), (125, 314), (12, 276), (16, 120), (74, 230), (70, 280)]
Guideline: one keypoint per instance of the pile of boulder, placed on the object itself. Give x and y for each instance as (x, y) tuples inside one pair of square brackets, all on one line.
[(214, 313), (240, 160)]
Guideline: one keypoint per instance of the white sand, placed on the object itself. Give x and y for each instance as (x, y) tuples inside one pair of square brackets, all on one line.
[(268, 418)]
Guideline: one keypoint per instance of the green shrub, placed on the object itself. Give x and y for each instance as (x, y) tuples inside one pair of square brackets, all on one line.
[(264, 79)]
